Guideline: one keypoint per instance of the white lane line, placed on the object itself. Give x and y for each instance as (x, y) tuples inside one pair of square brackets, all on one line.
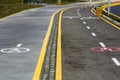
[(102, 44), (87, 27), (84, 22), (116, 61), (79, 15), (93, 34), (81, 18), (19, 45)]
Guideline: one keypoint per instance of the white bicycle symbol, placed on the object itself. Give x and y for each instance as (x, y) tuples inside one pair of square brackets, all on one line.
[(15, 50)]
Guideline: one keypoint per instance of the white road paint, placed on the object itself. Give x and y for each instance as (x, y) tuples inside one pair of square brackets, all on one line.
[(19, 45), (81, 18), (71, 17), (90, 17), (116, 61), (79, 15), (102, 44), (17, 49), (84, 22), (88, 27), (93, 34)]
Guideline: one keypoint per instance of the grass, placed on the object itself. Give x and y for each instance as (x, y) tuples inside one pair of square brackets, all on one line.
[(8, 7), (10, 1)]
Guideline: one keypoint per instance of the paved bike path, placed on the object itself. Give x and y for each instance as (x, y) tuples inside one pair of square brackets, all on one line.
[(81, 32), (21, 38)]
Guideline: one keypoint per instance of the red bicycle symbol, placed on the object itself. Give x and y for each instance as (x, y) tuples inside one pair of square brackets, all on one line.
[(105, 49)]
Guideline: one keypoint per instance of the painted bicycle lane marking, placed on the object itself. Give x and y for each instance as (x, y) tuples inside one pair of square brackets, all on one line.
[(17, 49), (108, 49), (105, 49)]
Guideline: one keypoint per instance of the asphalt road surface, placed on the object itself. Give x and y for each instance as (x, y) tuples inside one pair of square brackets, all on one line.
[(90, 47), (21, 38), (22, 35)]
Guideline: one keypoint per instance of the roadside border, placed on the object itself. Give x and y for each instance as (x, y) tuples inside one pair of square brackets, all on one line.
[(106, 20), (39, 64), (58, 75), (15, 13)]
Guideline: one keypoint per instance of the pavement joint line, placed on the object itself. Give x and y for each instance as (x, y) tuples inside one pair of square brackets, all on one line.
[(93, 34), (116, 61), (88, 27), (102, 44), (38, 69)]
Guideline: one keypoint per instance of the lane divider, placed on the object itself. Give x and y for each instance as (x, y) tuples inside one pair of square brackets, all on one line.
[(84, 22), (88, 27), (102, 44), (40, 62), (58, 75), (116, 61), (93, 34)]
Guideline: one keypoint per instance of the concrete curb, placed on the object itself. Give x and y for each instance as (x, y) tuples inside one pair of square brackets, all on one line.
[(111, 20)]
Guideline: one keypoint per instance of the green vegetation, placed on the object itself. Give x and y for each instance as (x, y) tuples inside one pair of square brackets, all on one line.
[(8, 7), (10, 1)]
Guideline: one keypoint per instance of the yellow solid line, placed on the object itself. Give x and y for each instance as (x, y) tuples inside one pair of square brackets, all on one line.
[(58, 75), (59, 59), (39, 65), (106, 20), (110, 23)]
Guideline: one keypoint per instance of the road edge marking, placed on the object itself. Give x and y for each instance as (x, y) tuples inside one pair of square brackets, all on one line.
[(39, 65), (58, 75), (106, 21)]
